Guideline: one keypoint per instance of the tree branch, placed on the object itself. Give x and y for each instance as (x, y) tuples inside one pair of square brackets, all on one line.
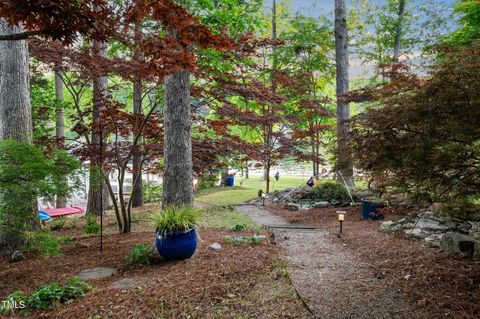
[(20, 36)]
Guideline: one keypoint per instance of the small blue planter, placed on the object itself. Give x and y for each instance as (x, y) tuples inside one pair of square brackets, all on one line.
[(230, 180), (177, 245), (369, 207)]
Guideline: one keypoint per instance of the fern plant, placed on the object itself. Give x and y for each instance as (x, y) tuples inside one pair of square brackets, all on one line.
[(175, 219)]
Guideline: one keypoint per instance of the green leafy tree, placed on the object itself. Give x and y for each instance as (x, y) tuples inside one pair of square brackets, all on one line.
[(397, 30), (26, 173), (469, 30), (307, 55)]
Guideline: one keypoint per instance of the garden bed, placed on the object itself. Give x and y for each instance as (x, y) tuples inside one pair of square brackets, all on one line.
[(211, 284), (448, 285)]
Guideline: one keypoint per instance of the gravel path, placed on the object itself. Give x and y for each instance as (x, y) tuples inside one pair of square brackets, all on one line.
[(331, 282), (260, 216)]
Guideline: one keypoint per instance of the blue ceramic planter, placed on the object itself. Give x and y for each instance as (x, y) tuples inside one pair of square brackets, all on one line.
[(177, 245), (369, 207)]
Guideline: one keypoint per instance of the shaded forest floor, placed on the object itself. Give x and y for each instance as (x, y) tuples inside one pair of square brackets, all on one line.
[(236, 281), (444, 285)]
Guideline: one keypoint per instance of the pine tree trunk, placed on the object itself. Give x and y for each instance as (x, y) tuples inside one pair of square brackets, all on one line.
[(398, 32), (96, 183), (137, 187), (177, 172), (267, 177), (314, 160), (344, 156), (15, 115), (59, 125)]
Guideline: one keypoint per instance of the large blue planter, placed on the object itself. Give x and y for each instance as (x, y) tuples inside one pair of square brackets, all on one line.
[(369, 207), (177, 245)]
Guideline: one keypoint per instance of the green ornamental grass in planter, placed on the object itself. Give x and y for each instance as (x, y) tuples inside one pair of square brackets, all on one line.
[(176, 232)]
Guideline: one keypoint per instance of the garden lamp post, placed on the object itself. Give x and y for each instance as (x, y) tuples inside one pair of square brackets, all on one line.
[(263, 199), (341, 219)]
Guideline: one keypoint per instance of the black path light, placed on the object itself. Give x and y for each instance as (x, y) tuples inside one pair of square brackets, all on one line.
[(341, 219)]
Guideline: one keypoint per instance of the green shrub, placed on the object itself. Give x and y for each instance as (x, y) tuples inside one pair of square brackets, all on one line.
[(174, 219), (239, 227), (44, 242), (140, 254), (329, 191), (27, 173), (72, 224), (49, 296), (152, 193), (92, 227), (456, 208), (58, 223), (207, 181)]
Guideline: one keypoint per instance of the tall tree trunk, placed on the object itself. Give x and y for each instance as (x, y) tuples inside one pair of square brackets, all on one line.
[(344, 156), (269, 129), (177, 172), (314, 159), (96, 185), (267, 177), (15, 116), (317, 153), (398, 31), (137, 188), (59, 124)]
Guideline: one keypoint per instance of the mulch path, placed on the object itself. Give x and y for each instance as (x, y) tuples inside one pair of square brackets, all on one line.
[(446, 285), (166, 289)]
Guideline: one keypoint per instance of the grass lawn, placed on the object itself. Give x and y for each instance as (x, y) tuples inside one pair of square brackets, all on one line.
[(246, 189), (224, 217)]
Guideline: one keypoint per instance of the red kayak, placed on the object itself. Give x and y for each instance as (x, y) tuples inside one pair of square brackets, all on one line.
[(56, 212)]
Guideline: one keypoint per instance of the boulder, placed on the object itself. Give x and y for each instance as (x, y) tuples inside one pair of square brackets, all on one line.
[(417, 232), (433, 240), (292, 207), (216, 246), (474, 230), (17, 256), (431, 225), (321, 204), (463, 228), (389, 226), (428, 214), (474, 217), (459, 243)]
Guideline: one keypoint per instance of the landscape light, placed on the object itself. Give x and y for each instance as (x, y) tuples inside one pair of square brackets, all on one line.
[(341, 219), (263, 199)]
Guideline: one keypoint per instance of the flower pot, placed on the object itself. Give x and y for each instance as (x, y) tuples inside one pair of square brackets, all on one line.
[(369, 207), (177, 245), (230, 180)]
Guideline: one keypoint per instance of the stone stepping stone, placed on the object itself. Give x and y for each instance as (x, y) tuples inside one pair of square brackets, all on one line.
[(292, 227), (97, 273), (126, 283)]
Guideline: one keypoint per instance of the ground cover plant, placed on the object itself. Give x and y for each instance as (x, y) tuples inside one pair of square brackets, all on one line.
[(48, 297), (140, 254), (48, 244)]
